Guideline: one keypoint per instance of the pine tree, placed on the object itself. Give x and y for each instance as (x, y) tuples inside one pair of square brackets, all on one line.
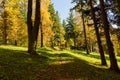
[(113, 61), (103, 61)]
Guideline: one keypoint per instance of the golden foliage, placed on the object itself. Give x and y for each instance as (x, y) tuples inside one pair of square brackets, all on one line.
[(46, 22)]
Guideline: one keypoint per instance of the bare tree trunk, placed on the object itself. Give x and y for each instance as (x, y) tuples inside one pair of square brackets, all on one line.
[(33, 29), (4, 24), (86, 42), (37, 22), (103, 60), (113, 61), (42, 43), (5, 30), (30, 28)]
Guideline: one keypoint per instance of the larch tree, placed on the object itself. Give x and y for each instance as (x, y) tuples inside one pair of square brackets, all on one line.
[(5, 26), (46, 23), (52, 18), (11, 21)]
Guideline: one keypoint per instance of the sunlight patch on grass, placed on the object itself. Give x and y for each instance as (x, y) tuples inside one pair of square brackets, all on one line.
[(60, 57), (10, 47), (60, 62), (90, 60)]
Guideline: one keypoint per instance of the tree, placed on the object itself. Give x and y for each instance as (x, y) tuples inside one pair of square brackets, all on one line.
[(65, 35), (70, 29), (56, 40), (56, 29), (103, 61), (5, 15), (33, 29), (80, 7), (86, 43), (46, 23), (11, 21), (113, 61)]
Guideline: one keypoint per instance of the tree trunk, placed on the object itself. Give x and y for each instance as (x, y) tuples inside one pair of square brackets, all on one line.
[(15, 43), (42, 43), (103, 60), (86, 42), (5, 30), (113, 61), (30, 28), (33, 29), (37, 22), (5, 24)]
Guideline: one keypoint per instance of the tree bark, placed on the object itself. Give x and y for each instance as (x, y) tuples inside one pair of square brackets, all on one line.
[(37, 22), (30, 27), (42, 43), (86, 42), (33, 29), (5, 24), (113, 61), (103, 60)]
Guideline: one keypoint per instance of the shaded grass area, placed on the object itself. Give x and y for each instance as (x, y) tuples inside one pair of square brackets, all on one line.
[(16, 64)]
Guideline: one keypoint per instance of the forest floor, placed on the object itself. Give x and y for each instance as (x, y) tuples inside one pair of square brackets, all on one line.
[(16, 64)]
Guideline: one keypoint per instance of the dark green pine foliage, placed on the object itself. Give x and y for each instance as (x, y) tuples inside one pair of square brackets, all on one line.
[(66, 37), (70, 29), (56, 29), (52, 11)]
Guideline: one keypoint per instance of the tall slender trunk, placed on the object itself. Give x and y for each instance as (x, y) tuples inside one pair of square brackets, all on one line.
[(30, 27), (113, 61), (86, 42), (5, 24), (5, 29), (42, 43), (37, 22), (33, 29), (103, 60)]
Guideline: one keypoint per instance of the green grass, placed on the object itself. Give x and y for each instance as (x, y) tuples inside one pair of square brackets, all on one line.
[(17, 64)]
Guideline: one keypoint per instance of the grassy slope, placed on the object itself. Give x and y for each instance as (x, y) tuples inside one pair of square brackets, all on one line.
[(16, 64)]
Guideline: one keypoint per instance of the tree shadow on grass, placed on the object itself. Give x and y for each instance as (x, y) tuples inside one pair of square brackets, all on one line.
[(18, 65), (68, 67), (76, 70)]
